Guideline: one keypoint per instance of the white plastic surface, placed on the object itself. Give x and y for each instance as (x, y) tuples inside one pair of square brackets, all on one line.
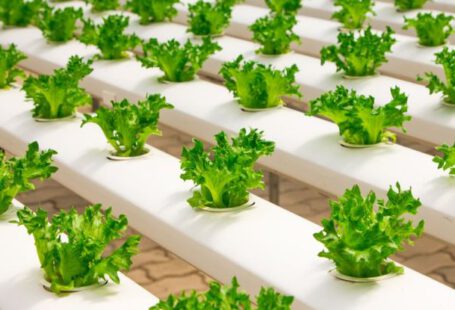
[(407, 59), (386, 14), (263, 245), (20, 276)]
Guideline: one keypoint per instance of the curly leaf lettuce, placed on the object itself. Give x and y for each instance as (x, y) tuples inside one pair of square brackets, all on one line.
[(109, 37), (353, 13), (446, 58), (59, 25), (179, 62), (17, 173), (103, 5), (19, 13), (284, 6), (59, 95), (274, 33), (226, 297), (359, 54), (9, 58), (128, 126), (447, 160), (71, 246), (209, 18), (152, 11), (227, 173), (431, 30), (407, 5), (259, 86), (358, 120), (362, 232)]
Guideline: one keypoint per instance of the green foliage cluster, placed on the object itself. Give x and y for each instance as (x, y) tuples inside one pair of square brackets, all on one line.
[(431, 30), (109, 37), (152, 11), (179, 62), (359, 121), (59, 95), (17, 173), (9, 58), (226, 297), (19, 13), (59, 25), (284, 6), (359, 54), (407, 5), (127, 126), (209, 18), (71, 246), (362, 232), (274, 33), (258, 86), (447, 160), (226, 173), (446, 58), (103, 5), (353, 13)]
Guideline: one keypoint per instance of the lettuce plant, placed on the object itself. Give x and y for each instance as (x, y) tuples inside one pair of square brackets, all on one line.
[(179, 62), (59, 25), (71, 246), (446, 58), (109, 37), (407, 5), (9, 58), (59, 95), (353, 13), (226, 297), (226, 173), (284, 6), (259, 86), (103, 5), (359, 55), (19, 13), (362, 232), (274, 33), (128, 126), (209, 18), (17, 173), (431, 30), (447, 161), (359, 121), (152, 11)]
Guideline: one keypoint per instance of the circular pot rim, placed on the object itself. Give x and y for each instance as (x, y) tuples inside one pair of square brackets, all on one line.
[(55, 120), (361, 146), (432, 46), (111, 155), (214, 36), (245, 109), (164, 81), (446, 103), (354, 77), (101, 282), (290, 52), (334, 272), (246, 205)]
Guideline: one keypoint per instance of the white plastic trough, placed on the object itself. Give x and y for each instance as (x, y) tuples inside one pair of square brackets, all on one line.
[(20, 277), (406, 61), (264, 245), (386, 14)]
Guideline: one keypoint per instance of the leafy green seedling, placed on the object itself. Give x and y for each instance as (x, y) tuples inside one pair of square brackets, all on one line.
[(209, 18), (447, 161), (257, 86), (103, 5), (274, 33), (19, 13), (407, 5), (71, 247), (9, 58), (109, 37), (152, 11), (363, 232), (359, 54), (17, 173), (353, 13), (128, 126), (284, 6), (179, 62), (59, 95), (226, 173), (359, 121), (431, 30)]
